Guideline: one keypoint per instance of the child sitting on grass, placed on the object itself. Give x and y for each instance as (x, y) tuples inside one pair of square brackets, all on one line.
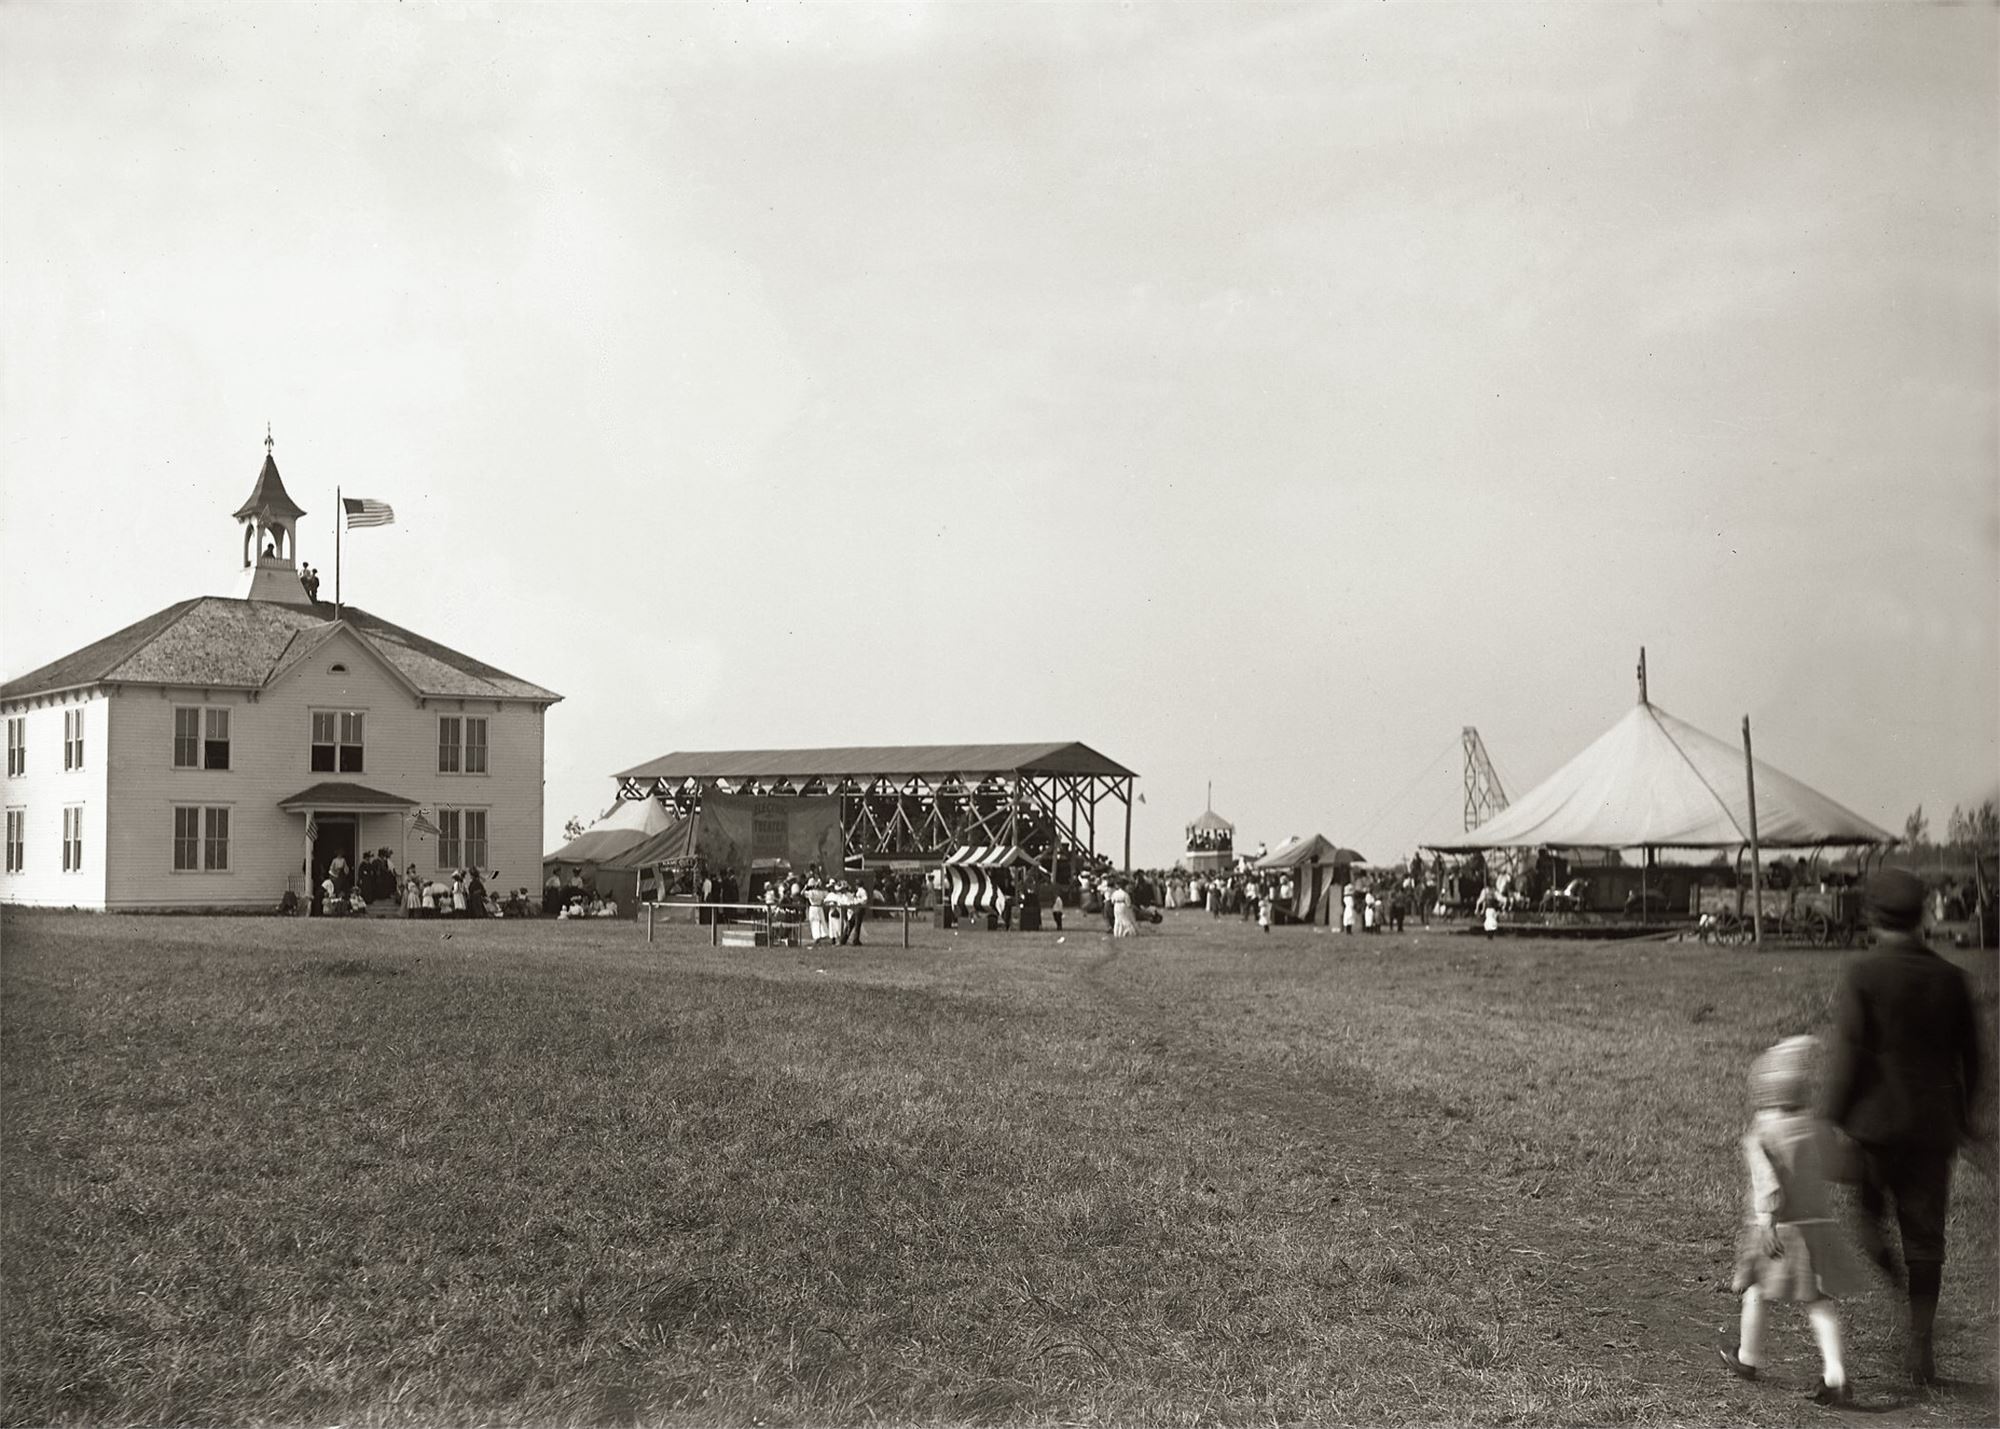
[(1790, 1248)]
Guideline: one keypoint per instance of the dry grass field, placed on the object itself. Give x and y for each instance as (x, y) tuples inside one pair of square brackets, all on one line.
[(368, 1172)]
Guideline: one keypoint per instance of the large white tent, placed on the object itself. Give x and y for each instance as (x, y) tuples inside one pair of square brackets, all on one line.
[(1653, 781), (629, 823)]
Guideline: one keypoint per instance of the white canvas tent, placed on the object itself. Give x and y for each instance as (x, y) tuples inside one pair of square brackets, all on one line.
[(1653, 781), (629, 823)]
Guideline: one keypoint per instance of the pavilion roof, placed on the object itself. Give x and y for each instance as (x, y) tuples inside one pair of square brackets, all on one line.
[(879, 762)]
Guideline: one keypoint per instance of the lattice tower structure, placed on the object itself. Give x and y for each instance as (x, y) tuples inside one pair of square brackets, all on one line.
[(1484, 796)]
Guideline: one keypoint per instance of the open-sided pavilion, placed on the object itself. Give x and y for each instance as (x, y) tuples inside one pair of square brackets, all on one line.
[(918, 803)]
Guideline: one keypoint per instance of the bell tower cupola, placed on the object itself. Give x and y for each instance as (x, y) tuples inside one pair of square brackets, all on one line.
[(270, 538)]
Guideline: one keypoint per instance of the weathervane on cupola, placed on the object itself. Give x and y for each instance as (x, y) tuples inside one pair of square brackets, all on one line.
[(270, 537)]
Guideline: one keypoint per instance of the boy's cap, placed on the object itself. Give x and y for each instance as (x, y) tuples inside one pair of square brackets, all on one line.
[(1895, 892)]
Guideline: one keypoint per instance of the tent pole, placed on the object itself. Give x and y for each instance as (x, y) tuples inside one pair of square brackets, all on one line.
[(1756, 858)]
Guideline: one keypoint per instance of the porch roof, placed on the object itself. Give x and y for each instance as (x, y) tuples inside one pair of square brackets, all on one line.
[(337, 797)]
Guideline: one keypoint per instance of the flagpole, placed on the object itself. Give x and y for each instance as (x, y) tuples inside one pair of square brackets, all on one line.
[(337, 509)]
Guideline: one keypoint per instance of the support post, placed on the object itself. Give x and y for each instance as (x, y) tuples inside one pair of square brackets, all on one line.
[(1756, 861), (1128, 826), (649, 922), (337, 509)]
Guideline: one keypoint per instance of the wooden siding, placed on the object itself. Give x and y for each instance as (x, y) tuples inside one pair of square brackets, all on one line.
[(270, 760), (45, 790)]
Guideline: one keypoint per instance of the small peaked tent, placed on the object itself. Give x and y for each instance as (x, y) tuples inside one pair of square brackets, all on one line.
[(1653, 781), (670, 845), (1317, 866), (649, 858)]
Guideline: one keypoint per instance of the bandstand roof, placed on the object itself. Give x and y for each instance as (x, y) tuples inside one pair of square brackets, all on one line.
[(876, 762), (1209, 819)]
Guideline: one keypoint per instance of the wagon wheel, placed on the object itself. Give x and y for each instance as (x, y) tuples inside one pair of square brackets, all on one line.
[(1818, 929)]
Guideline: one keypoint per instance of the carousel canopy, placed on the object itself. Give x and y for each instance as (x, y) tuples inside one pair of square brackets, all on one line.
[(1654, 781)]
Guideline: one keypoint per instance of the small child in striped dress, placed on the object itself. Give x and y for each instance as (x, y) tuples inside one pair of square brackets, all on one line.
[(1790, 1247)]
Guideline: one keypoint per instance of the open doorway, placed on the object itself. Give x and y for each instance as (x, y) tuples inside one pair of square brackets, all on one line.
[(337, 836)]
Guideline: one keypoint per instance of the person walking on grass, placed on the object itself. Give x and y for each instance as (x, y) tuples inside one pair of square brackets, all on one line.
[(1264, 908), (1904, 1075), (1123, 924), (1790, 1248), (1492, 920)]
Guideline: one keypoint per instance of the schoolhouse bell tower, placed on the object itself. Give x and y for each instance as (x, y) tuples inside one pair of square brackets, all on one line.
[(270, 538)]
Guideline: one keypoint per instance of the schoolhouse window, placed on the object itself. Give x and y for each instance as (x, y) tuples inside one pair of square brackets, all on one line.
[(215, 839), (187, 840), (215, 739), (72, 838), (17, 746), (17, 825), (72, 739), (337, 741), (187, 737), (461, 838)]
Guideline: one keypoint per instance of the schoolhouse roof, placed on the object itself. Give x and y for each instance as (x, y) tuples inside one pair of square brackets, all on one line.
[(222, 643)]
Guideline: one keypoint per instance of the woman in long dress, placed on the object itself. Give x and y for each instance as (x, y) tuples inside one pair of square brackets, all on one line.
[(1123, 925)]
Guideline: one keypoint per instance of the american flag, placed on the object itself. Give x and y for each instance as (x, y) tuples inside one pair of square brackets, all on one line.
[(312, 829), (420, 823), (361, 511)]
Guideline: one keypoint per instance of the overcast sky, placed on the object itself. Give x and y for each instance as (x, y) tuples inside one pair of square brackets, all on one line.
[(1257, 394)]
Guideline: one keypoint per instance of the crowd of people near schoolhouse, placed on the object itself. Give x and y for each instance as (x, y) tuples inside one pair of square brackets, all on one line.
[(370, 885)]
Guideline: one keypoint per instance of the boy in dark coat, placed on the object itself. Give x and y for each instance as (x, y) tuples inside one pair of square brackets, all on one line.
[(1903, 1073)]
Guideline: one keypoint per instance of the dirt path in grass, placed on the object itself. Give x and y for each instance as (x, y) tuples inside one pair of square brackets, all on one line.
[(1601, 1300)]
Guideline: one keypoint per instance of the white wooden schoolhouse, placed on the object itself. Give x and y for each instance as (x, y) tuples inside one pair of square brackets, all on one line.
[(218, 752)]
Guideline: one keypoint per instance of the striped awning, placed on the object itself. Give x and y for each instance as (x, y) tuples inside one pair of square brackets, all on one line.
[(983, 856), (974, 890)]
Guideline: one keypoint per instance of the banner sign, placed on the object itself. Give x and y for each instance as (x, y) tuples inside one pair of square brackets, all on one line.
[(737, 829)]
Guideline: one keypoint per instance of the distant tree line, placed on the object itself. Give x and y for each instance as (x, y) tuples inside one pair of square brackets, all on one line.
[(1967, 830)]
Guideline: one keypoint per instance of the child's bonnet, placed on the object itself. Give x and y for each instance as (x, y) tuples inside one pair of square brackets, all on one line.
[(1782, 1076)]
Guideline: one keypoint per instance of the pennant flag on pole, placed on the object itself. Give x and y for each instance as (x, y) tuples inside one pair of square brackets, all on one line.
[(363, 512)]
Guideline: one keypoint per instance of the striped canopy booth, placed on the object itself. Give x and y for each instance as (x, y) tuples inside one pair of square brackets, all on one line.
[(974, 875)]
